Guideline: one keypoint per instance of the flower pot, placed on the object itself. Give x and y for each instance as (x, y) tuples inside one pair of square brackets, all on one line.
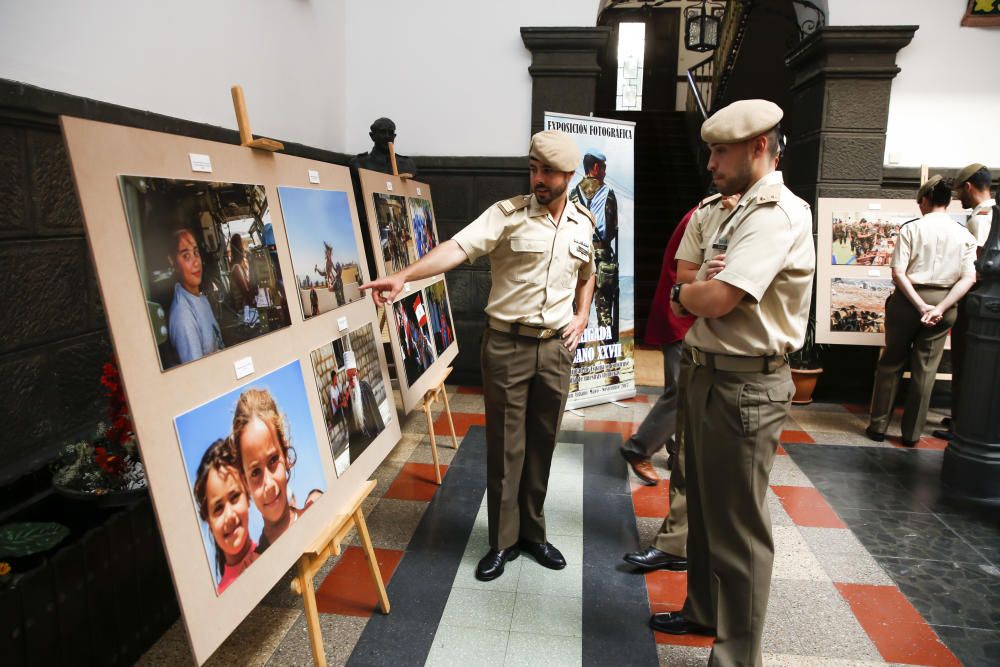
[(805, 383), (107, 500)]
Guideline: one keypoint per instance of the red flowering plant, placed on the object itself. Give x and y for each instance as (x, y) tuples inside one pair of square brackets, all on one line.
[(110, 460)]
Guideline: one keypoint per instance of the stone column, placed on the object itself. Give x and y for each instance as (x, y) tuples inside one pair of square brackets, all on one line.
[(564, 69), (842, 77)]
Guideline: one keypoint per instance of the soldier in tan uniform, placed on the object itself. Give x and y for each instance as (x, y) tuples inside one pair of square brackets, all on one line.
[(542, 265), (751, 295), (933, 267)]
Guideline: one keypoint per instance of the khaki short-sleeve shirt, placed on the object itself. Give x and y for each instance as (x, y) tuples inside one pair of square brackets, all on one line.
[(935, 250), (768, 243), (535, 261), (980, 221)]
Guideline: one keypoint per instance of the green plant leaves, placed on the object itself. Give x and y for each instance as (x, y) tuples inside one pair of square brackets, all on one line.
[(27, 538)]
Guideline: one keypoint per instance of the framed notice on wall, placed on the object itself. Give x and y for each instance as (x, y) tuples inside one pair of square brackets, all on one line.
[(256, 384)]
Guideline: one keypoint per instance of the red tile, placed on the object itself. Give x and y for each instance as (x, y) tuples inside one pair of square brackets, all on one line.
[(807, 507), (462, 420), (899, 633), (796, 436), (415, 482), (667, 590), (780, 451), (652, 501), (625, 429), (469, 390), (349, 589), (857, 408), (638, 398)]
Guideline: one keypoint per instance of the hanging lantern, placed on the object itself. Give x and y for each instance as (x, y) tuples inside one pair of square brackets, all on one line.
[(701, 27)]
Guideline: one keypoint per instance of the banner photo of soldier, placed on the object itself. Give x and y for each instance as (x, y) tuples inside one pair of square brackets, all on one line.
[(414, 336), (324, 248), (207, 262), (604, 182), (422, 217), (394, 231), (253, 464), (353, 395), (858, 304), (439, 314)]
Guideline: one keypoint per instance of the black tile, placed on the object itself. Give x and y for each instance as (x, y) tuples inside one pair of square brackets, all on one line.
[(974, 648), (446, 525), (980, 528), (472, 450), (866, 491), (955, 594), (907, 535), (832, 458)]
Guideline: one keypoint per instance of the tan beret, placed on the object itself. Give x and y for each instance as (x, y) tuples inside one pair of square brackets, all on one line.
[(966, 172), (928, 185), (740, 121), (556, 149)]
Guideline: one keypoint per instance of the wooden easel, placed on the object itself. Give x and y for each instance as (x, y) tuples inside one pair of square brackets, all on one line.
[(329, 544), (392, 161), (243, 120), (430, 396)]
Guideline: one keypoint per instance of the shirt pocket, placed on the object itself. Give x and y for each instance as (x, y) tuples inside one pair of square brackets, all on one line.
[(530, 259)]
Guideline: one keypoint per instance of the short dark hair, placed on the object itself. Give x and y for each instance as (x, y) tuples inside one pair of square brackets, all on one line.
[(940, 193), (775, 141), (980, 180), (589, 161)]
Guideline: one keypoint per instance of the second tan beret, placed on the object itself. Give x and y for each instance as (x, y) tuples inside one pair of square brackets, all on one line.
[(966, 172), (741, 120), (556, 149), (928, 185)]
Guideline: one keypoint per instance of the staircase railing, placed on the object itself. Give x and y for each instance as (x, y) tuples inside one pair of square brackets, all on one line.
[(700, 81)]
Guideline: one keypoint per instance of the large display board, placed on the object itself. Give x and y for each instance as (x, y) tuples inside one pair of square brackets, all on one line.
[(208, 258), (402, 229), (856, 239)]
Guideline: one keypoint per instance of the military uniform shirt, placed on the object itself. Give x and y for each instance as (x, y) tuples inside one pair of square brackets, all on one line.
[(935, 251), (979, 222), (535, 262), (767, 240)]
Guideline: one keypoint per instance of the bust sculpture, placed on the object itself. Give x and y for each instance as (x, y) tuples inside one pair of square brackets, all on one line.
[(383, 131)]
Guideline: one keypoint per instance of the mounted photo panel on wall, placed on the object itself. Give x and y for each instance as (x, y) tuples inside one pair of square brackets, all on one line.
[(402, 229), (208, 257)]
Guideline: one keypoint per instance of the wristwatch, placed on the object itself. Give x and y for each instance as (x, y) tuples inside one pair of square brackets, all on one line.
[(675, 293)]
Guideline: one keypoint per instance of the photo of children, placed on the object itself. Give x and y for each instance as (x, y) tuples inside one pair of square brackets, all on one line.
[(253, 465), (858, 304), (356, 407), (324, 250), (865, 238), (422, 217), (439, 314), (394, 232), (207, 262), (414, 336)]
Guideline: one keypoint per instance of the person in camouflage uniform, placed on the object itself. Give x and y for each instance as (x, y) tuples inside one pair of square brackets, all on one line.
[(600, 200)]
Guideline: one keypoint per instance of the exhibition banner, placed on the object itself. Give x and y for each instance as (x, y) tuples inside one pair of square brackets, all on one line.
[(604, 182)]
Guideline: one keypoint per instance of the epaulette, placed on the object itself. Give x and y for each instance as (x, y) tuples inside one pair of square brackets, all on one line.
[(768, 194), (710, 200), (508, 206), (586, 211)]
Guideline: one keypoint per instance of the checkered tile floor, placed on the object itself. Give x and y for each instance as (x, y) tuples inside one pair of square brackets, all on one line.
[(872, 565)]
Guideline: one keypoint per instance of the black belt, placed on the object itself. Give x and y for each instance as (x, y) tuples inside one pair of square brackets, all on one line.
[(737, 364)]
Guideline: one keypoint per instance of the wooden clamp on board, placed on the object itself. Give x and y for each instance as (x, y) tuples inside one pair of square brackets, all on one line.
[(433, 394), (329, 544), (395, 167), (243, 120)]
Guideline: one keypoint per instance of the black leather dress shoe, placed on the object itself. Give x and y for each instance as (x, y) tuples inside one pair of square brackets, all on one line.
[(491, 565), (909, 443), (674, 623), (543, 552), (654, 559), (874, 435), (943, 434)]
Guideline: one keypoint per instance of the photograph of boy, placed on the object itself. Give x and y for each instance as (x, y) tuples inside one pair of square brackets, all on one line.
[(207, 263), (324, 249), (355, 404), (439, 313), (253, 465), (422, 217), (414, 336), (394, 232)]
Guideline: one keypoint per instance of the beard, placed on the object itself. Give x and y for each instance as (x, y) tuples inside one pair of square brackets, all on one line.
[(549, 195)]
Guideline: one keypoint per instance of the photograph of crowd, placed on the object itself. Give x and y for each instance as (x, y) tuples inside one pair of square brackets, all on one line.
[(858, 304), (253, 464), (324, 249), (866, 239), (352, 393), (207, 262), (422, 217), (439, 314), (394, 231), (414, 336)]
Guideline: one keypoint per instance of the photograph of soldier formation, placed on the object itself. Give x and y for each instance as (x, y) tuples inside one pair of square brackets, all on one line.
[(394, 232), (422, 217), (321, 238), (208, 264), (863, 239), (858, 304)]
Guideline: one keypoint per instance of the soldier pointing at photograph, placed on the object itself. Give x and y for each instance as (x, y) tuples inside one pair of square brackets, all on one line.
[(542, 265)]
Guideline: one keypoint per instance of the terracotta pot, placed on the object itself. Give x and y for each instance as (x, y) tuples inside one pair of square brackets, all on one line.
[(805, 383)]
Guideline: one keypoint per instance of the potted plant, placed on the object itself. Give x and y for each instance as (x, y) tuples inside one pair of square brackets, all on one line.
[(807, 364)]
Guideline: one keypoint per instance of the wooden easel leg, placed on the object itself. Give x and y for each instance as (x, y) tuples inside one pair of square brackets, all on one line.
[(312, 614), (430, 432), (451, 422), (366, 544)]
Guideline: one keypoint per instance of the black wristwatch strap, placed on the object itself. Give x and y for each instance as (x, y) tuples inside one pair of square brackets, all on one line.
[(675, 293)]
